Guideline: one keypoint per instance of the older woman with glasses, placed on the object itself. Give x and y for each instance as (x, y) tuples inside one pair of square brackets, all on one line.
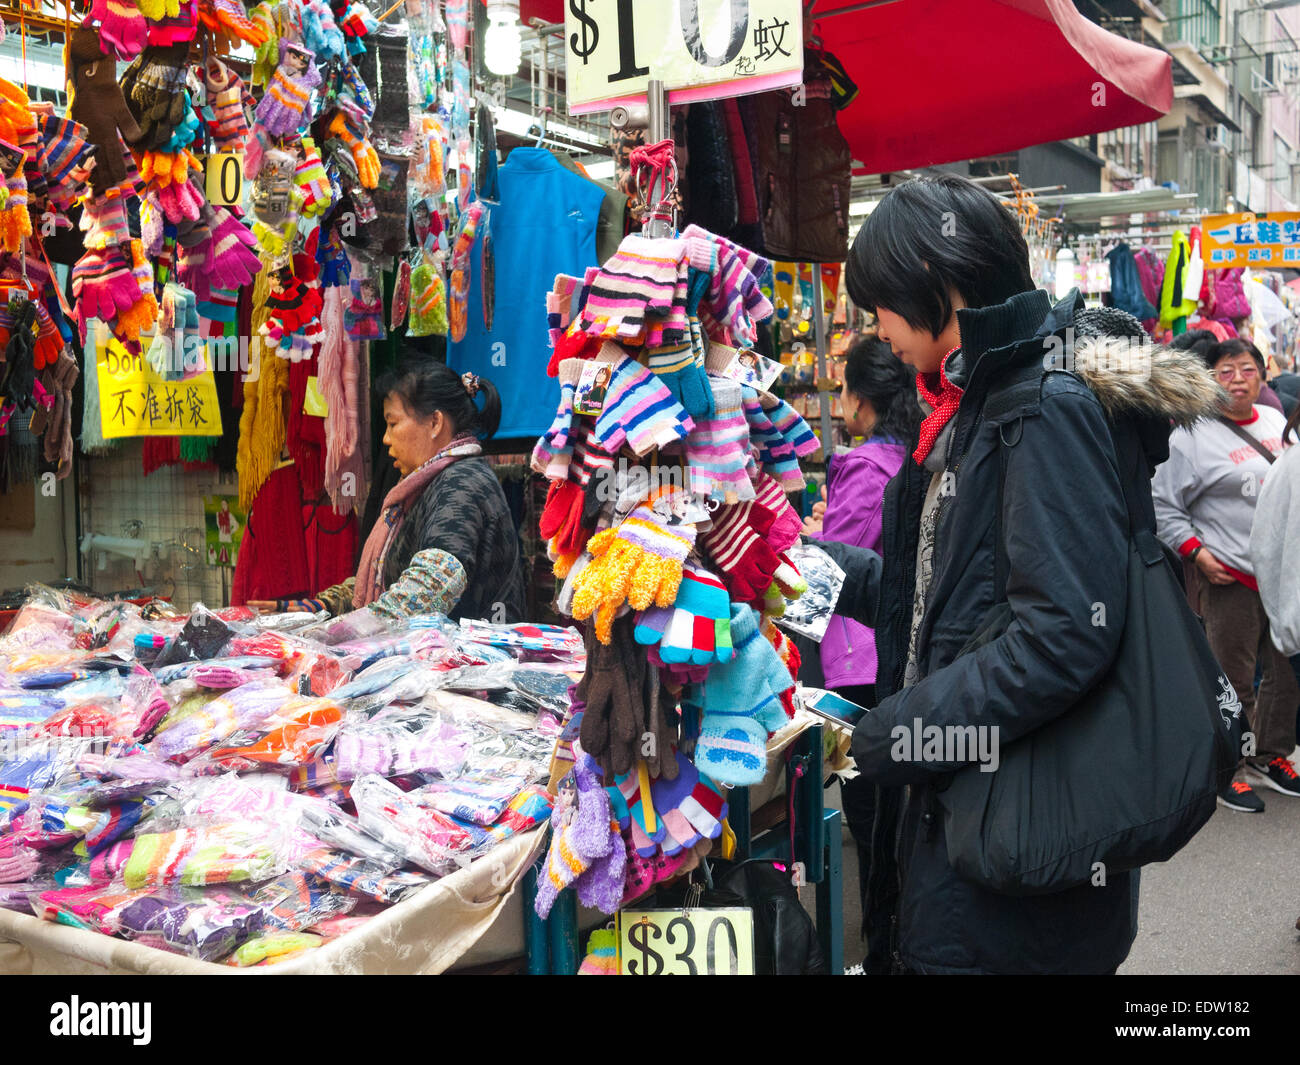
[(1205, 497)]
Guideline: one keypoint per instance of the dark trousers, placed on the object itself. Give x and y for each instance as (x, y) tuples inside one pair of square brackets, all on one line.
[(1237, 630)]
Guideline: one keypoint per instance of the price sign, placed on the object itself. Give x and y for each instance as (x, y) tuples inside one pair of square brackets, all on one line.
[(690, 943), (699, 49), (134, 400), (224, 179)]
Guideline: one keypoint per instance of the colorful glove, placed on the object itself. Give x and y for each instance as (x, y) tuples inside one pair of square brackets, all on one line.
[(349, 127), (184, 134), (613, 689), (638, 562), (103, 286), (181, 200), (697, 627), (675, 365), (229, 124), (428, 302), (267, 56), (233, 252), (105, 222), (312, 181), (121, 25), (741, 556), (554, 448), (717, 449), (228, 18), (283, 108), (154, 89), (581, 834), (633, 806), (175, 29), (691, 807), (158, 9), (320, 32), (741, 704)]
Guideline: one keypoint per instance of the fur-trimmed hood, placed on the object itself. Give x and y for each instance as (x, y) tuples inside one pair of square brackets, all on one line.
[(1130, 377)]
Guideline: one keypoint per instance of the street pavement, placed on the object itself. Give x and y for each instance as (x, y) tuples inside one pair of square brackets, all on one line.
[(1227, 903)]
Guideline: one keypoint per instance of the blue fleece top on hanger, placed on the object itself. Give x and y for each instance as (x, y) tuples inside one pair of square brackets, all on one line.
[(545, 224)]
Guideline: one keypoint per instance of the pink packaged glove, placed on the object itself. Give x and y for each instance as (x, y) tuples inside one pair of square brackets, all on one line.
[(121, 27)]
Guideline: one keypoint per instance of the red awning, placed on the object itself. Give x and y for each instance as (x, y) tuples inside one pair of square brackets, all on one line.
[(944, 80)]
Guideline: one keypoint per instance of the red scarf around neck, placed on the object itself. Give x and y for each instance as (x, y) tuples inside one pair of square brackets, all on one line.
[(943, 397)]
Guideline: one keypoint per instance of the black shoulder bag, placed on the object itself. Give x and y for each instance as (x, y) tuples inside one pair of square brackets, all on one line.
[(1125, 777)]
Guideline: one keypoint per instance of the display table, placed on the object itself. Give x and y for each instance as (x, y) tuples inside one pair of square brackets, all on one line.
[(425, 934)]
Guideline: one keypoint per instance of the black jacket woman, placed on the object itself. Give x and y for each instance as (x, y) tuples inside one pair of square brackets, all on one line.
[(946, 269)]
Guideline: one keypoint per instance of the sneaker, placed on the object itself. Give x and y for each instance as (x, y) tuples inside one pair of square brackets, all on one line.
[(1280, 775), (1241, 796), (858, 970)]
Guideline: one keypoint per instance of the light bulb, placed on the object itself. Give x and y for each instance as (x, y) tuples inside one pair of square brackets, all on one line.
[(501, 44)]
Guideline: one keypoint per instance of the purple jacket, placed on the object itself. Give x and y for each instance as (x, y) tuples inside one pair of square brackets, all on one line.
[(853, 500)]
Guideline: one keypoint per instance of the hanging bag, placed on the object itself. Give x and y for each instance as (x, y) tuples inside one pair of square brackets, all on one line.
[(1125, 777)]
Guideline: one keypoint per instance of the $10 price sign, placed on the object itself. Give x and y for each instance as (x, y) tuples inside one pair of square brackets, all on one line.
[(699, 49), (686, 943)]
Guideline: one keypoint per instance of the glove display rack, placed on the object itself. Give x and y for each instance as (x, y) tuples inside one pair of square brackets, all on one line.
[(668, 522)]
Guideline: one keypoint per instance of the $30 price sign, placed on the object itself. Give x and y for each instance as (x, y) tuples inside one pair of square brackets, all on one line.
[(699, 49), (686, 943)]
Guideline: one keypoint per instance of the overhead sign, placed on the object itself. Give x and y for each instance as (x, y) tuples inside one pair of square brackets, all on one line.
[(135, 400), (1257, 240), (699, 49)]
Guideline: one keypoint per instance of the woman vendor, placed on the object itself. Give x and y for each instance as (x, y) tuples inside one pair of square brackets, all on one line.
[(445, 541)]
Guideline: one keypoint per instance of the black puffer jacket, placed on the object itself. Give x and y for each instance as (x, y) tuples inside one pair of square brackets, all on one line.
[(1076, 436)]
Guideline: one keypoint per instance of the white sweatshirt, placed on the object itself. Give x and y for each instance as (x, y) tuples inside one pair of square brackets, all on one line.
[(1207, 491), (1275, 554)]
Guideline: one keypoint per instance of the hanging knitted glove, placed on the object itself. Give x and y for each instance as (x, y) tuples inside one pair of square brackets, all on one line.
[(638, 410), (697, 627), (178, 28), (638, 281), (100, 107), (717, 449), (229, 19), (184, 134), (283, 108), (320, 32), (741, 704), (154, 89), (267, 56), (632, 802), (458, 293), (613, 689), (740, 555), (561, 520), (233, 251), (104, 221), (776, 454), (638, 562), (691, 806), (121, 25), (676, 367), (157, 9), (102, 285), (225, 92), (349, 126), (554, 447), (581, 834), (180, 201), (312, 181)]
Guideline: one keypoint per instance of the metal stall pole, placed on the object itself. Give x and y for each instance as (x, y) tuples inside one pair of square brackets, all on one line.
[(819, 328), (656, 98)]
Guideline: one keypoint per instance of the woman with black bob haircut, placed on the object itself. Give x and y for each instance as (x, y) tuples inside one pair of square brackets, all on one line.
[(445, 541), (1013, 453)]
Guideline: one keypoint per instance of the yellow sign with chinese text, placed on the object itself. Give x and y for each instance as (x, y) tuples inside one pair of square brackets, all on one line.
[(135, 400), (701, 50), (1261, 241)]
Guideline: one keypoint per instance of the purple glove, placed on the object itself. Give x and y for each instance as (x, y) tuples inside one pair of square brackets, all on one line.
[(688, 807), (121, 26), (284, 105)]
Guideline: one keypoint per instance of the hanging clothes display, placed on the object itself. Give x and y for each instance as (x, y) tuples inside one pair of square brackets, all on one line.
[(545, 224)]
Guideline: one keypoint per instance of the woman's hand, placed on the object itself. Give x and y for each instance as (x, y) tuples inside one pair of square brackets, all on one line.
[(1212, 568), (263, 606), (812, 525)]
